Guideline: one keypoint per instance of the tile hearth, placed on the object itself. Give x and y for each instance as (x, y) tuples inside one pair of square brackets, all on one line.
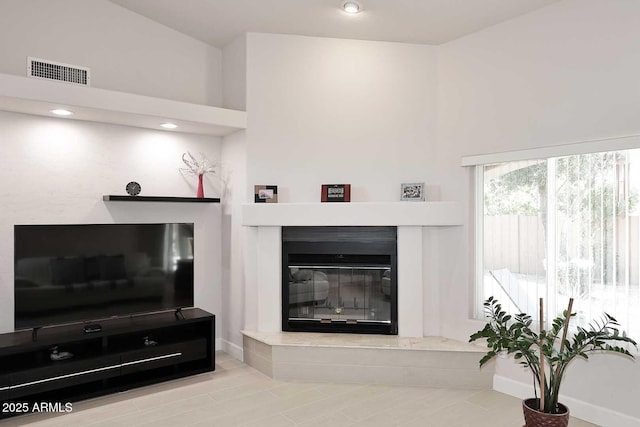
[(367, 359)]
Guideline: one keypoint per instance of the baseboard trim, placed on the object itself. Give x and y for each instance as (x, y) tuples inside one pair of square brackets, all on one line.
[(585, 411), (232, 350)]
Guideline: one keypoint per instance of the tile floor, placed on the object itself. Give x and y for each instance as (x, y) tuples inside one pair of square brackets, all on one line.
[(238, 395)]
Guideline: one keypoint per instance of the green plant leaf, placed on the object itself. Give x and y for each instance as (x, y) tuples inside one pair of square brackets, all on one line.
[(513, 335), (490, 355)]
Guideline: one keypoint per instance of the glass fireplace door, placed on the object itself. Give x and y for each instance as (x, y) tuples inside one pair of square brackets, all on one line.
[(340, 279), (344, 293)]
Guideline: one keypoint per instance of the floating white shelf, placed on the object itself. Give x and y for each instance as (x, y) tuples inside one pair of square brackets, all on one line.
[(426, 214), (35, 96)]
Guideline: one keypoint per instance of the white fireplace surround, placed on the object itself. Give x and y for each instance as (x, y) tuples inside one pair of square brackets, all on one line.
[(263, 260)]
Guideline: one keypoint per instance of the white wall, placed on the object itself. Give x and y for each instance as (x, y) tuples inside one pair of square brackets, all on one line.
[(565, 73), (233, 292), (125, 51), (234, 157), (55, 171), (234, 74), (331, 111)]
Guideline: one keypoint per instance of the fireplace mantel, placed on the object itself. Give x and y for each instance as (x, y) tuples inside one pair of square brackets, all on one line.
[(425, 214), (263, 258)]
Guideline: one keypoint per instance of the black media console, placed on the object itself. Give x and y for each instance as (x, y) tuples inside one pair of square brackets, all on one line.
[(127, 352)]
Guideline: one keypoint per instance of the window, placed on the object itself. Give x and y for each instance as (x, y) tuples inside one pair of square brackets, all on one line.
[(562, 227)]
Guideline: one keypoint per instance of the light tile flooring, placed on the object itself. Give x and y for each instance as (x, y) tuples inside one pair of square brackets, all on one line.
[(237, 395)]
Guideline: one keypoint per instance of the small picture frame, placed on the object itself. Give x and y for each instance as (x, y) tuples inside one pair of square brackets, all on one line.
[(265, 193), (412, 192), (335, 193)]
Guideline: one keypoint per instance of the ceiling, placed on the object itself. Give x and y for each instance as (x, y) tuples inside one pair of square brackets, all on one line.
[(217, 22)]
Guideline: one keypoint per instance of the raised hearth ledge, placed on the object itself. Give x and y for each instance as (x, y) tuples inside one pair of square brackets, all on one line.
[(310, 339), (426, 214), (367, 359)]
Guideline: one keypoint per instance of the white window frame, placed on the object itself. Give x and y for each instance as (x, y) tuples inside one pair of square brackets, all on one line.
[(478, 268)]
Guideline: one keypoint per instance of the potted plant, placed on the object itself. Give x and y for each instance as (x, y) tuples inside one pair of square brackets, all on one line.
[(547, 353)]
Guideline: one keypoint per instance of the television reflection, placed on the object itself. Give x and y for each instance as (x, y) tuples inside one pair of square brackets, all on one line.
[(81, 272)]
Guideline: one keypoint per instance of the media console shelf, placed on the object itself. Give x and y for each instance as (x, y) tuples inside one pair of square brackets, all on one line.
[(116, 198), (128, 352)]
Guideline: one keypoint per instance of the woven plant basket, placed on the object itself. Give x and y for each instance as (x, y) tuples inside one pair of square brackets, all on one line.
[(535, 418)]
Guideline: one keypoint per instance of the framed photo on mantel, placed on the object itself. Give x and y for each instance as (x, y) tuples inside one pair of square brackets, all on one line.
[(412, 192), (265, 194), (336, 193)]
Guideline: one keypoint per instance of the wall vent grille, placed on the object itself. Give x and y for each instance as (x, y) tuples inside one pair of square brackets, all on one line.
[(49, 70)]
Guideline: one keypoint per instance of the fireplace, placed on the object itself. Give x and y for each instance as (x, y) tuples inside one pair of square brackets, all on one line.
[(339, 279)]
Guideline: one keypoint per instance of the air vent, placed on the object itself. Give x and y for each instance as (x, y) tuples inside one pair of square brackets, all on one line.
[(44, 69)]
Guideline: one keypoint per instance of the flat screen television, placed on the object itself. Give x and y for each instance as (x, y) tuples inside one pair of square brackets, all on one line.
[(86, 272)]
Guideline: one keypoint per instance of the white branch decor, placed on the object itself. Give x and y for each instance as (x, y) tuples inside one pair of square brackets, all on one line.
[(199, 167)]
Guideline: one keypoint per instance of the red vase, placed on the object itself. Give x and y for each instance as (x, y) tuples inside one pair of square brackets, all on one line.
[(200, 187)]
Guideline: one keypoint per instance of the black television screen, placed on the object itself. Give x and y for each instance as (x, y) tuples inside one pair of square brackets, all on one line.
[(85, 272)]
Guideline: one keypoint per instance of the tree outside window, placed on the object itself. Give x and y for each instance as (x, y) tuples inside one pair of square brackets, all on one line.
[(564, 227)]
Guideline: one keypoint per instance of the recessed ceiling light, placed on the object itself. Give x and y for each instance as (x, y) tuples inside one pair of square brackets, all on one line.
[(351, 7), (169, 125), (61, 112)]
